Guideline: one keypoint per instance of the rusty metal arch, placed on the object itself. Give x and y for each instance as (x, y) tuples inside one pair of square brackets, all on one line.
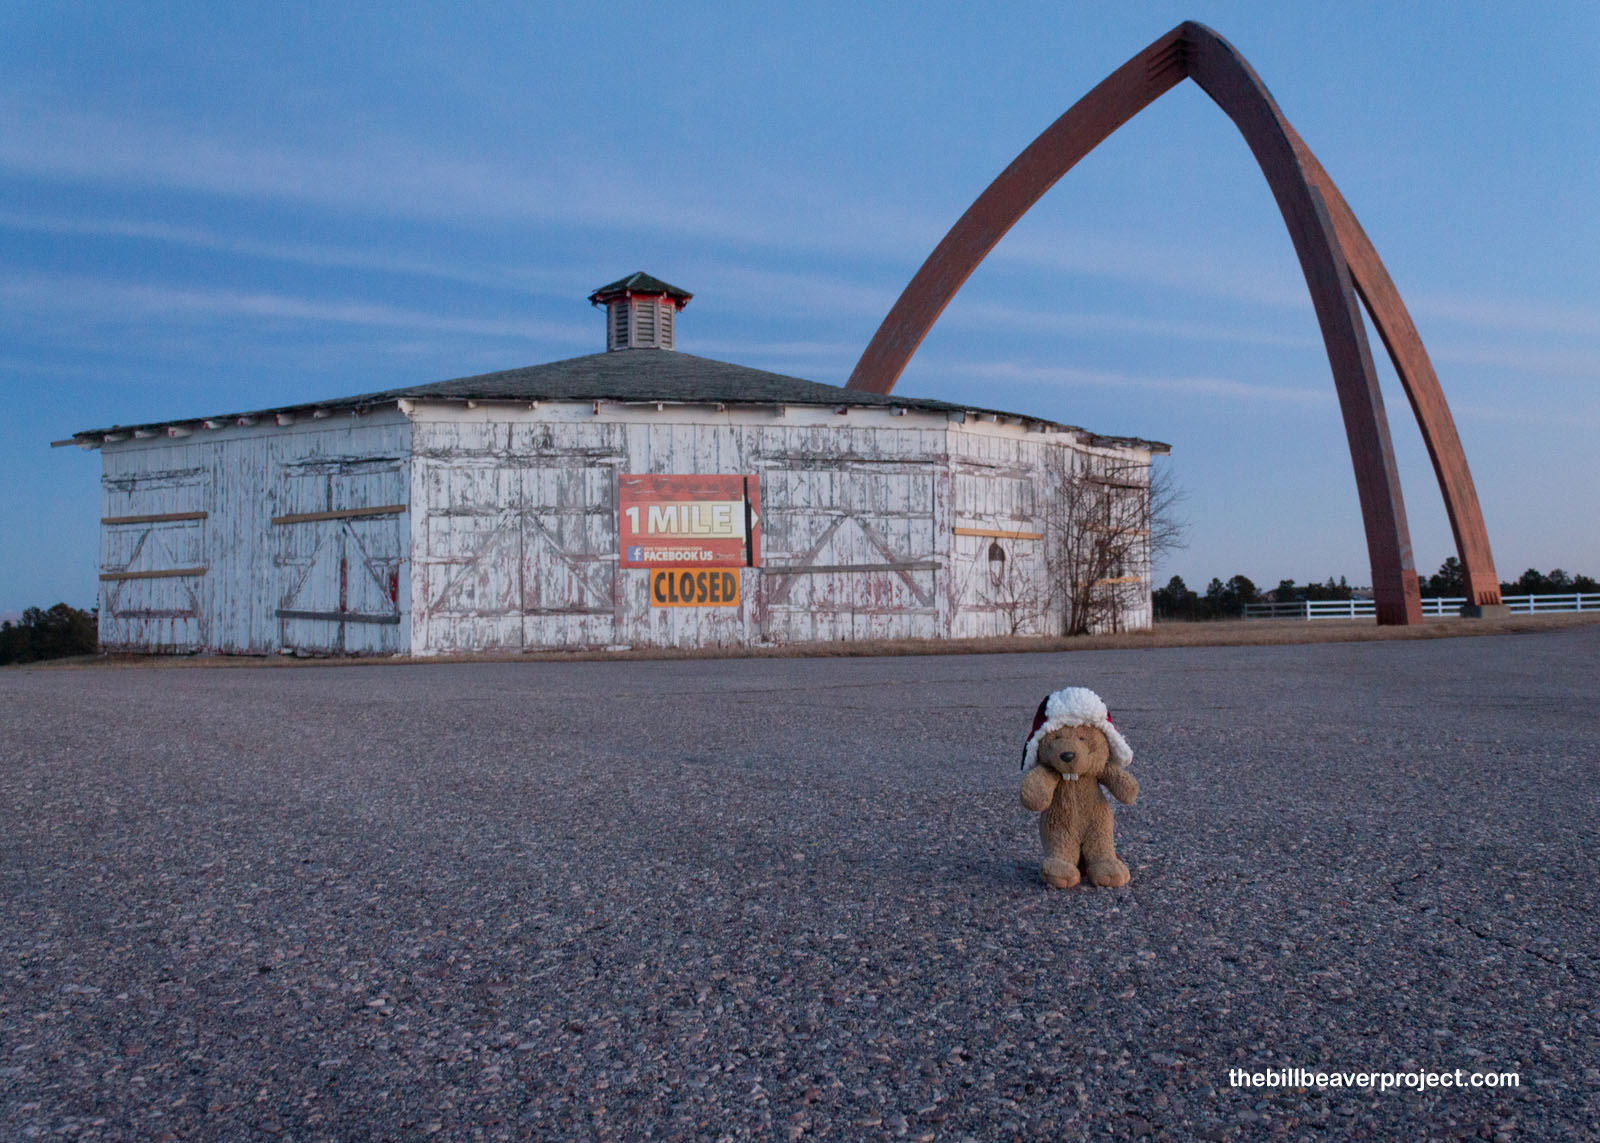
[(1341, 268)]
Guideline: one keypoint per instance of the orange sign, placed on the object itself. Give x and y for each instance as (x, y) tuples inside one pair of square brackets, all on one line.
[(709, 520), (672, 587)]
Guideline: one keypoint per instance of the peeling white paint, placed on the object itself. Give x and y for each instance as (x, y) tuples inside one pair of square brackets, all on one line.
[(448, 528)]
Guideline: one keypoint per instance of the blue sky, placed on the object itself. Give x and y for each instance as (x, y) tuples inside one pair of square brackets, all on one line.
[(205, 210)]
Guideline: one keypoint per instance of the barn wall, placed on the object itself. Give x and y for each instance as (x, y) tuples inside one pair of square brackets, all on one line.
[(240, 569), (996, 476), (164, 603), (516, 534), (1002, 477), (1134, 607), (450, 529)]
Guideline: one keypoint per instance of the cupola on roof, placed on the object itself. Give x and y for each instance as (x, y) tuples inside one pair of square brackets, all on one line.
[(640, 311), (639, 282)]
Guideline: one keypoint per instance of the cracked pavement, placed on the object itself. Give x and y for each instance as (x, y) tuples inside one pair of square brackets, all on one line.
[(798, 898)]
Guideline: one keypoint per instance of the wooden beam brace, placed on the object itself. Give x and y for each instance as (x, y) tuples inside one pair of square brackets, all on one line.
[(338, 616), (169, 573), (153, 518), (341, 514), (820, 569), (999, 534)]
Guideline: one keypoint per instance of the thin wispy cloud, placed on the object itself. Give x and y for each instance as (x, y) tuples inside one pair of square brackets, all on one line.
[(1016, 372), (775, 210), (837, 295), (795, 291), (1520, 361), (753, 349), (1565, 418), (401, 178), (1511, 315), (303, 253), (25, 366), (118, 301), (991, 316), (1198, 270)]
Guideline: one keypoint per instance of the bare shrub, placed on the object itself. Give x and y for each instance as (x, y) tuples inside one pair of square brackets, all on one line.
[(1107, 520)]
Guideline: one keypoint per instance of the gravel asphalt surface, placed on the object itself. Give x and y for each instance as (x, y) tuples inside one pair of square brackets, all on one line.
[(799, 898)]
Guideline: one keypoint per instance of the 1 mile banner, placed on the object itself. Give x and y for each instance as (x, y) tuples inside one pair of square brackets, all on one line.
[(699, 521)]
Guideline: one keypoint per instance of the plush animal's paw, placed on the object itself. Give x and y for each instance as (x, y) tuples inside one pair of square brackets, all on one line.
[(1059, 874), (1108, 872)]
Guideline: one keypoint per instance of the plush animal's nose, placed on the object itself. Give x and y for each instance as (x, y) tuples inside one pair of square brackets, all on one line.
[(1068, 755)]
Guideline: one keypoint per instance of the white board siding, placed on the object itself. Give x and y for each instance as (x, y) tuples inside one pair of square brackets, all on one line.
[(166, 612), (569, 556), (543, 550), (240, 477), (516, 536), (995, 487), (1011, 598), (852, 523), (341, 565), (509, 538), (509, 564)]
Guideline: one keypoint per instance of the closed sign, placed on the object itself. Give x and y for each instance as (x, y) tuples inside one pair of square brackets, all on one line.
[(672, 587)]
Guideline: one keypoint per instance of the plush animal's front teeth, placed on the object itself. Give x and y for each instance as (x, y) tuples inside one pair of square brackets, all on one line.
[(1072, 777)]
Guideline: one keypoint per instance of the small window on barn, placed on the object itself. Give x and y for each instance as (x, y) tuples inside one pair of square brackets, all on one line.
[(997, 561), (619, 325)]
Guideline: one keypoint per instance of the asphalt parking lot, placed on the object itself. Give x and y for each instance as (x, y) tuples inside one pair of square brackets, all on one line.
[(798, 898)]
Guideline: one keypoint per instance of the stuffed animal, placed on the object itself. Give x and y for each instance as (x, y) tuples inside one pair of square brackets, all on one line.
[(1072, 752)]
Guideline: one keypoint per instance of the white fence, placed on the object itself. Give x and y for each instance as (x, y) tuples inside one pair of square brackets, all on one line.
[(1446, 605)]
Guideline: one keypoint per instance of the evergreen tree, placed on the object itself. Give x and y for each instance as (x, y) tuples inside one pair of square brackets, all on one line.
[(1449, 580), (1175, 601), (49, 634)]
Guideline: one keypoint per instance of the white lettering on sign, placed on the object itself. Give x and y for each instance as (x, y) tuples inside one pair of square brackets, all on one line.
[(721, 519)]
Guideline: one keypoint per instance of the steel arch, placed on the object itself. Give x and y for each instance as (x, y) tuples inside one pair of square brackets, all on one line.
[(1341, 267)]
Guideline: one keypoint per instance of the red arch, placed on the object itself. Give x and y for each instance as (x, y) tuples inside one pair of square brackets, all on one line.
[(1341, 268)]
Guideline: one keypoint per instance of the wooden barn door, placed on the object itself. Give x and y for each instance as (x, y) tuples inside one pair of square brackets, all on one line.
[(520, 552), (850, 552), (569, 556), (342, 542), (153, 561)]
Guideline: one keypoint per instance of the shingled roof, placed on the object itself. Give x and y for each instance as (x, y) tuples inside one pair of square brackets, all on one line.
[(649, 375), (630, 375), (639, 282)]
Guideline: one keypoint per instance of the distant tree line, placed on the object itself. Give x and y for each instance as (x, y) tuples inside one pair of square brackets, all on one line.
[(1221, 600), (49, 634), (1449, 581), (1227, 600)]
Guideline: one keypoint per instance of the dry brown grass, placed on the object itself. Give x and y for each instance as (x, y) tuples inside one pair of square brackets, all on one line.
[(1221, 633)]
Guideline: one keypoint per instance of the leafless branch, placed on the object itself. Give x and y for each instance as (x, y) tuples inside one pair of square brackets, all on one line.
[(1105, 518)]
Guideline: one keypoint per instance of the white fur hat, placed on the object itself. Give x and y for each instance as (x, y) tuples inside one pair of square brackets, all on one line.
[(1074, 706)]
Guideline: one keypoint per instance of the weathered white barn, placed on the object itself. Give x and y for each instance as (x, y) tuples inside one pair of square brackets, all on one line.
[(483, 513)]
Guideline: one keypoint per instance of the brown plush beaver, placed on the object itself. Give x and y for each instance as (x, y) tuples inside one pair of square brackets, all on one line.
[(1073, 751)]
